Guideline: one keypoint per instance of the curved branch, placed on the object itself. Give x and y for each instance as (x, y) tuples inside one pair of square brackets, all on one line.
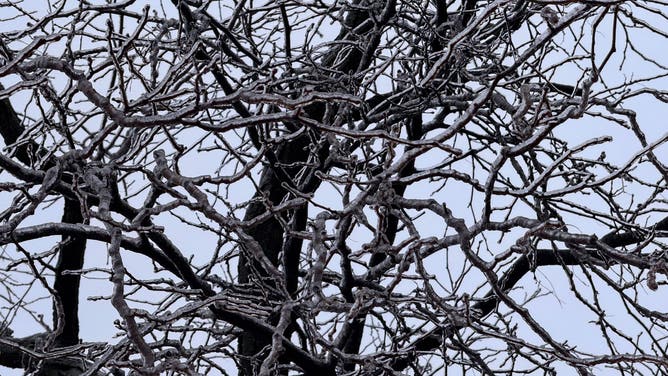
[(88, 232), (522, 266)]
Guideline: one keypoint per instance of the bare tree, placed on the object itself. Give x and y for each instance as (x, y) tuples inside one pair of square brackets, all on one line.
[(319, 187)]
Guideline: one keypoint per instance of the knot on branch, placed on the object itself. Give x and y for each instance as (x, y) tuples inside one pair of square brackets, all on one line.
[(659, 265)]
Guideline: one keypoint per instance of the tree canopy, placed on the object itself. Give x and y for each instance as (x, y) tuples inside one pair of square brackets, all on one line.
[(315, 187)]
